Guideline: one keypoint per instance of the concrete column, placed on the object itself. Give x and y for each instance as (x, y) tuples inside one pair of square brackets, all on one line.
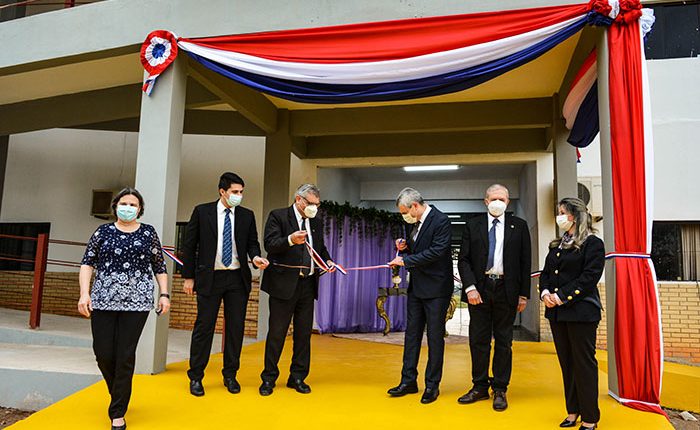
[(158, 179), (278, 152), (565, 171), (4, 147), (608, 211)]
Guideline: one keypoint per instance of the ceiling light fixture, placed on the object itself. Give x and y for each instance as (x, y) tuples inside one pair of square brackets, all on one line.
[(430, 168)]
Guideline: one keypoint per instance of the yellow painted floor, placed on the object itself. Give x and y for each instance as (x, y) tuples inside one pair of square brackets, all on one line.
[(349, 379)]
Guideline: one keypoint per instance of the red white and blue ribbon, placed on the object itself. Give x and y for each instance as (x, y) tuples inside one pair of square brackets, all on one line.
[(169, 251), (610, 255), (157, 52), (580, 108), (392, 60)]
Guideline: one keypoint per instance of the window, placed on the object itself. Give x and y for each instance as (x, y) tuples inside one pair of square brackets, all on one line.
[(20, 249), (179, 239), (676, 32), (675, 251)]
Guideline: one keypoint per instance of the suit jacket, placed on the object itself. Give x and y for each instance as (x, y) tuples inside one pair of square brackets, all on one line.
[(473, 256), (199, 246), (573, 275), (280, 282), (429, 258)]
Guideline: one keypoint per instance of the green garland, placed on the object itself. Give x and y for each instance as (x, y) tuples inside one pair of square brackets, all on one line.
[(375, 221)]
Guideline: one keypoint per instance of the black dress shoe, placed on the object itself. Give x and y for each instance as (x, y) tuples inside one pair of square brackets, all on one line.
[(430, 395), (472, 396), (499, 401), (588, 428), (233, 386), (299, 385), (266, 388), (567, 423), (403, 389), (121, 427), (196, 388)]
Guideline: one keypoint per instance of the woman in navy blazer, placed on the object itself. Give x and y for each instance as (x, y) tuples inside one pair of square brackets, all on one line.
[(569, 289)]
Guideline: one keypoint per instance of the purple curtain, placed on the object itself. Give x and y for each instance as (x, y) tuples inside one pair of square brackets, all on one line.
[(347, 303)]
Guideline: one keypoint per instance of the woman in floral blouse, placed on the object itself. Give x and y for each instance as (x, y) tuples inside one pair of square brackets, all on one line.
[(124, 256)]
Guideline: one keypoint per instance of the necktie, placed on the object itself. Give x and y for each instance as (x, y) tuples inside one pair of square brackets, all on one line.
[(492, 244), (227, 243), (414, 231), (305, 257)]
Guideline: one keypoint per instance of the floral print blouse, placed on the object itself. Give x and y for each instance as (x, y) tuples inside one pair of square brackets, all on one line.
[(124, 267)]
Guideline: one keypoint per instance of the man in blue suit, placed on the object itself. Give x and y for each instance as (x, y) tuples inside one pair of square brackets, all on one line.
[(427, 255)]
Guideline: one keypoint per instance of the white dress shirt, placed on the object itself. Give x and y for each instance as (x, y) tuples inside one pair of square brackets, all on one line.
[(497, 268), (220, 214), (309, 238)]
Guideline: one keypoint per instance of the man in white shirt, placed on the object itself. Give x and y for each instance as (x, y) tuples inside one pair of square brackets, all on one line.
[(219, 239), (494, 264)]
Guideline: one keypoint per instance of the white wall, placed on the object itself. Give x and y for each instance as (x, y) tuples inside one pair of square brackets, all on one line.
[(675, 109), (435, 190), (527, 209), (339, 185), (51, 174)]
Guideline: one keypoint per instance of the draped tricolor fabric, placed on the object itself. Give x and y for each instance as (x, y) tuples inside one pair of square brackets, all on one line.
[(414, 58)]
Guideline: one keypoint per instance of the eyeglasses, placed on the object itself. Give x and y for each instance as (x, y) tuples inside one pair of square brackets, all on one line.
[(309, 202)]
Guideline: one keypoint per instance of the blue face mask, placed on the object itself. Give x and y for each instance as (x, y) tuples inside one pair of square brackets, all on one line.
[(127, 213), (234, 200)]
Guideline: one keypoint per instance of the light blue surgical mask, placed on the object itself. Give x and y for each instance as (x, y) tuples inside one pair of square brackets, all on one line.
[(234, 200), (127, 213)]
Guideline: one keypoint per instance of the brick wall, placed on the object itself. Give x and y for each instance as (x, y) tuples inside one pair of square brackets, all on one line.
[(680, 321), (61, 292)]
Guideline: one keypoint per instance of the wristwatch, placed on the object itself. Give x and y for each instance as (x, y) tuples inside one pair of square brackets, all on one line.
[(165, 295)]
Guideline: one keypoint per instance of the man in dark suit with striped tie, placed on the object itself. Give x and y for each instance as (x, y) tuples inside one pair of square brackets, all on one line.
[(292, 283), (428, 257), (219, 239), (494, 264)]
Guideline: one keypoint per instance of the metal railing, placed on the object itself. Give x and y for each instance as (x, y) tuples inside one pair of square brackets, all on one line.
[(41, 261)]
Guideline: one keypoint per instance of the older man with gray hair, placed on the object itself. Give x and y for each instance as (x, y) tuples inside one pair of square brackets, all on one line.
[(426, 253), (494, 264), (292, 283)]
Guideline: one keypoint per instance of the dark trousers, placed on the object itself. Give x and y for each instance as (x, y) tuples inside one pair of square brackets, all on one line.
[(228, 286), (575, 345), (421, 313), (492, 318), (300, 308), (115, 335)]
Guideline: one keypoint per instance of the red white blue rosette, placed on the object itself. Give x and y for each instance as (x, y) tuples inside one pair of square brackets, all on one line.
[(157, 52)]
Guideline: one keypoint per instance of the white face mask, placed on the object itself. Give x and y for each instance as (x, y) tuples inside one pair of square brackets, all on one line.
[(310, 211), (234, 200), (497, 207), (563, 222), (409, 219)]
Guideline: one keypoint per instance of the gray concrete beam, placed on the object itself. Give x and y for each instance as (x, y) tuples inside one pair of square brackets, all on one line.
[(85, 108), (608, 207), (481, 142), (158, 178), (424, 118), (207, 122), (278, 152), (252, 104)]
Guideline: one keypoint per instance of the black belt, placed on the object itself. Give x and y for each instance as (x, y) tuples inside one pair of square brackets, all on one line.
[(494, 277)]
